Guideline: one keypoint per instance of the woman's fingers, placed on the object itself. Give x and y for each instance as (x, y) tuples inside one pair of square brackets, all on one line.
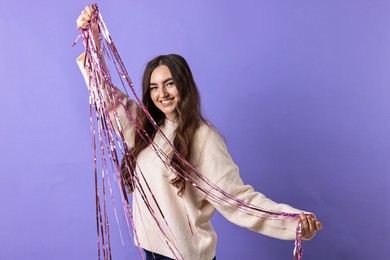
[(84, 18), (312, 224), (88, 10), (305, 224), (80, 22), (86, 15), (318, 225), (309, 225)]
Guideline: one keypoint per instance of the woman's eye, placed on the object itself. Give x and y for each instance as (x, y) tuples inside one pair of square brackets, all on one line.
[(152, 88), (170, 84)]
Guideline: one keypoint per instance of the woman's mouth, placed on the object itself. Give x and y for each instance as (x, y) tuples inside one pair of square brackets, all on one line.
[(167, 101)]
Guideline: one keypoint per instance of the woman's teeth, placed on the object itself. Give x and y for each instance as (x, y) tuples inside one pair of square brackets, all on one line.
[(166, 101)]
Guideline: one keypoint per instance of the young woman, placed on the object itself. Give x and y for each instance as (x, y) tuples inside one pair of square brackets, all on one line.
[(171, 96)]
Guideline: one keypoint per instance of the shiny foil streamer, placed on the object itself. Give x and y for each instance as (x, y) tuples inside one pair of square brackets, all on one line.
[(108, 148)]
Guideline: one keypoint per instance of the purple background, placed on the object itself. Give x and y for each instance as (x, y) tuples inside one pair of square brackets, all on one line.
[(299, 89)]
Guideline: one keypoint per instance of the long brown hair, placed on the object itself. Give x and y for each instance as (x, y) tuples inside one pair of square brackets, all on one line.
[(189, 117)]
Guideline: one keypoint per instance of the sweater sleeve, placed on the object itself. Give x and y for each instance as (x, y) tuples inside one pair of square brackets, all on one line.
[(217, 165), (130, 105)]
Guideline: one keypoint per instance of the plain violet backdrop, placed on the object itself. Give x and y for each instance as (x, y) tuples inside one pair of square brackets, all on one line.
[(299, 89)]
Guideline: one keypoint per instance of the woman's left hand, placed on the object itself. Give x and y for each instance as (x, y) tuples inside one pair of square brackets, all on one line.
[(309, 226)]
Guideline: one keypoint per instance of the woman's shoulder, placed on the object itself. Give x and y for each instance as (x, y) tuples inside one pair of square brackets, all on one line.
[(207, 134), (208, 146), (205, 130)]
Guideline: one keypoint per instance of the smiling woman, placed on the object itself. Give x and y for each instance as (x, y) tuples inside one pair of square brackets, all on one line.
[(163, 92), (172, 219)]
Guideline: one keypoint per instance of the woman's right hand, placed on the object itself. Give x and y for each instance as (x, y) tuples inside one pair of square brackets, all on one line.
[(84, 18)]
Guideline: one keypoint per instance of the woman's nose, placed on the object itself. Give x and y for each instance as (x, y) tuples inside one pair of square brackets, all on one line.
[(163, 92)]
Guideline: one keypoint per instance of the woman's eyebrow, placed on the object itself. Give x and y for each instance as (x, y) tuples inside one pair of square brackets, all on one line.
[(165, 81), (168, 79)]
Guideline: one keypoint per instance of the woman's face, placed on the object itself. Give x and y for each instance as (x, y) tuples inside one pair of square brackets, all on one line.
[(163, 92)]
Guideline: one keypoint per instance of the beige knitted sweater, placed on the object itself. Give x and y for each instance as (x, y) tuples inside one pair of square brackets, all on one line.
[(183, 229)]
